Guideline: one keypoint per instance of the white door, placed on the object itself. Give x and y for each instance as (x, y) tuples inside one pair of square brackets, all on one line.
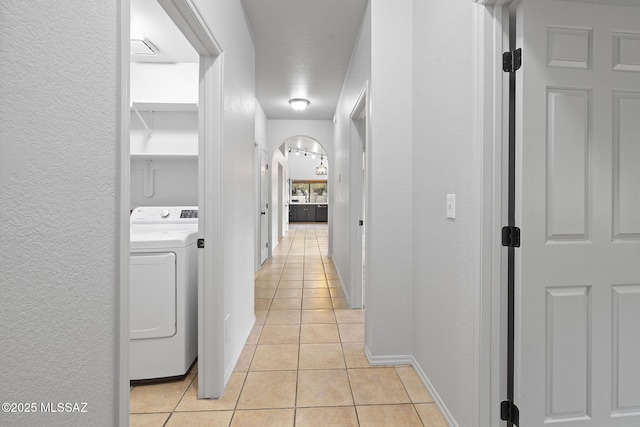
[(578, 205), (363, 226), (264, 208)]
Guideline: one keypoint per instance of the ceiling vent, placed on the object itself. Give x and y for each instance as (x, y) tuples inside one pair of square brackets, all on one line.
[(143, 47)]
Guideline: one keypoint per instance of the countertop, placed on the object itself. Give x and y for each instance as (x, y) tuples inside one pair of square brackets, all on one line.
[(305, 203)]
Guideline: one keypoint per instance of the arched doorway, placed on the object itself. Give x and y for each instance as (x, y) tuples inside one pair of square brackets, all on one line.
[(297, 161)]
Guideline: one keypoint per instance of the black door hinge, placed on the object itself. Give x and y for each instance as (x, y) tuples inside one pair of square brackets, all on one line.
[(509, 412), (200, 243), (361, 223), (512, 61), (511, 237)]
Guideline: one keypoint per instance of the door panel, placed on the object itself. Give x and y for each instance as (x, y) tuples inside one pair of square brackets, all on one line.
[(578, 205), (153, 295)]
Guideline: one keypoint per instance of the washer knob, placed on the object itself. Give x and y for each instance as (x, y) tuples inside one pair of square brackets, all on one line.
[(165, 213)]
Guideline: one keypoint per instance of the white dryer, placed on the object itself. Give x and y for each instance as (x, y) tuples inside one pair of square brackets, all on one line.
[(163, 291)]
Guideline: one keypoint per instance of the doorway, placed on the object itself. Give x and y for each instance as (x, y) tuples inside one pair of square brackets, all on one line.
[(307, 166), (280, 202), (264, 207), (210, 306), (359, 177)]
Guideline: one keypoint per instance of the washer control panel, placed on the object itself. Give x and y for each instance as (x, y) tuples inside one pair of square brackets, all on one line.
[(165, 215)]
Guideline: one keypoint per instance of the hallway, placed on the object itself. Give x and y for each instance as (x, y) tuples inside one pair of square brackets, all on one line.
[(303, 364)]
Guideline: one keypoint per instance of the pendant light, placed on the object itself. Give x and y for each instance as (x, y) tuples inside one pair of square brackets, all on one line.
[(322, 169)]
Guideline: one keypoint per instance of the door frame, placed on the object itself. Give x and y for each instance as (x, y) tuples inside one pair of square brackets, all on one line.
[(361, 111), (490, 129), (263, 191), (123, 205), (188, 18)]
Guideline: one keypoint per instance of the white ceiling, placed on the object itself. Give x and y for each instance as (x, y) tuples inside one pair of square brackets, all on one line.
[(149, 20), (303, 48)]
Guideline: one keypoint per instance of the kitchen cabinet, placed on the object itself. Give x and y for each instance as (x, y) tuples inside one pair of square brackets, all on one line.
[(308, 213), (322, 213)]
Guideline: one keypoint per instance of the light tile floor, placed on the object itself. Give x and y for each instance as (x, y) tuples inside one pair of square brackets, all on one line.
[(303, 364)]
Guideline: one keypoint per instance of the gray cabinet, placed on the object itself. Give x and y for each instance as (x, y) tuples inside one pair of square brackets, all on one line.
[(308, 213), (322, 213)]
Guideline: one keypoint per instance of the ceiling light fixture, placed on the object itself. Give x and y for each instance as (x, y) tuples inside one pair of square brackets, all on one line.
[(322, 169), (299, 104)]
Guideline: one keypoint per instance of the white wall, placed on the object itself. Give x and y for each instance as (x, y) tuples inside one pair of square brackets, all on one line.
[(164, 181), (261, 127), (443, 163), (348, 158), (58, 222), (158, 82), (304, 167), (320, 130), (227, 21), (171, 133), (388, 297), (172, 178)]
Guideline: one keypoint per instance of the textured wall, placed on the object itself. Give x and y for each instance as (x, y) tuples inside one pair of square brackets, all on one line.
[(443, 163), (58, 157)]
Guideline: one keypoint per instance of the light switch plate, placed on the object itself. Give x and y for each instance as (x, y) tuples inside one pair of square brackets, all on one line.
[(451, 206)]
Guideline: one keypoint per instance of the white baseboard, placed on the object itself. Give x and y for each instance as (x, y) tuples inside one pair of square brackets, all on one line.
[(446, 414), (410, 360), (236, 357), (388, 360), (347, 297)]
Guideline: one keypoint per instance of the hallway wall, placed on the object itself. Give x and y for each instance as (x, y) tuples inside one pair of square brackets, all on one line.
[(444, 162), (388, 297), (348, 159), (59, 198)]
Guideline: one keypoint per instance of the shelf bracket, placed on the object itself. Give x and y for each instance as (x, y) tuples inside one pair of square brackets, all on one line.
[(134, 106)]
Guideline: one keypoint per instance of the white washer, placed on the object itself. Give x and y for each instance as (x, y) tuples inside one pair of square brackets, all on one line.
[(163, 291)]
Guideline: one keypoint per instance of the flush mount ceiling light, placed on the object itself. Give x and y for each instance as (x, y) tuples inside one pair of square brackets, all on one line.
[(299, 104), (143, 47)]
